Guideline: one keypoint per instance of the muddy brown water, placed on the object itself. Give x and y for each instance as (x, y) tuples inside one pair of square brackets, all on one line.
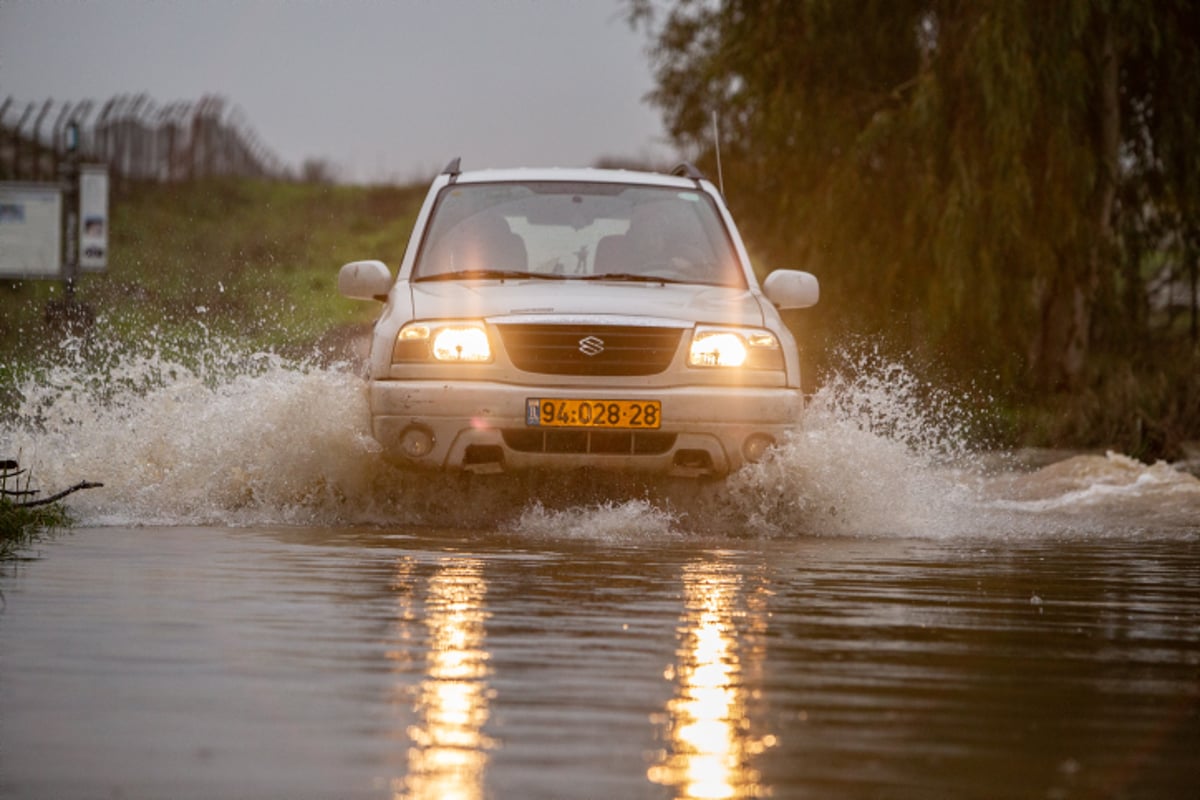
[(281, 662)]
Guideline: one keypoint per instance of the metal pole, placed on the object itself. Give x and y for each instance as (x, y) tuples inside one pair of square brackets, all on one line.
[(10, 136), (17, 141), (37, 140), (70, 185)]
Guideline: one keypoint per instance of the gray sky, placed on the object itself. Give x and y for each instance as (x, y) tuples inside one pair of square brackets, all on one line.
[(382, 89)]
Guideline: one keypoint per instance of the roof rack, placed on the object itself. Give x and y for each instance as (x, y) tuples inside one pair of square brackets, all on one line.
[(687, 169), (454, 168)]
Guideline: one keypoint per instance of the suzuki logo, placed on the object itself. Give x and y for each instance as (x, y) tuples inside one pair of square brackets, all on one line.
[(591, 346)]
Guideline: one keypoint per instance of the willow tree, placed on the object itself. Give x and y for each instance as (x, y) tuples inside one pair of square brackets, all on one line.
[(950, 170)]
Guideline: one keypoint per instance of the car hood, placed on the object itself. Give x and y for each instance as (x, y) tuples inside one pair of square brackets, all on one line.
[(521, 298)]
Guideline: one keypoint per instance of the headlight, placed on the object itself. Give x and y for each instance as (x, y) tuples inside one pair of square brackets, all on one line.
[(732, 347), (460, 342), (717, 349)]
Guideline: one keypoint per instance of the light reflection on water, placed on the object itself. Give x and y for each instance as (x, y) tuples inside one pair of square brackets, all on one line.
[(709, 755), (449, 752)]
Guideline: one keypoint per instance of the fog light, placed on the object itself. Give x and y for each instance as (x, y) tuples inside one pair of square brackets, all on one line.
[(755, 446), (416, 441)]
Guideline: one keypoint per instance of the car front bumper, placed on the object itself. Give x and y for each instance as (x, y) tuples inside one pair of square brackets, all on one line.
[(480, 426)]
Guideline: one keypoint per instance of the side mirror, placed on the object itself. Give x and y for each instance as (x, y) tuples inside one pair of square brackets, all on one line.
[(789, 288), (365, 280)]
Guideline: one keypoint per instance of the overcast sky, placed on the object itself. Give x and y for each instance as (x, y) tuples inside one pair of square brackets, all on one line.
[(382, 89)]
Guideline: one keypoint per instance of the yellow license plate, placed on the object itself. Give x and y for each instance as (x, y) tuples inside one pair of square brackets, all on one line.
[(570, 413)]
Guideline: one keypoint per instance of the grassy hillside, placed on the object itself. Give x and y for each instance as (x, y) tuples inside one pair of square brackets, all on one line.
[(256, 258)]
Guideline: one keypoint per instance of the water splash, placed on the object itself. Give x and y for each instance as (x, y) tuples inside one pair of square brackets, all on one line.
[(1109, 495), (205, 431), (634, 521), (225, 436), (876, 455)]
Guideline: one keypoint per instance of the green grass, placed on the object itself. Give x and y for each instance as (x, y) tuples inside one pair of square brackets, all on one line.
[(254, 259), (22, 527)]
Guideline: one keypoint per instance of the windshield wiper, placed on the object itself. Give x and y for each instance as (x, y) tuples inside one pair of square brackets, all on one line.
[(632, 277), (490, 274)]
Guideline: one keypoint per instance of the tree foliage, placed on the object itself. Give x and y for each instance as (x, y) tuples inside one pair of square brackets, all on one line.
[(986, 183)]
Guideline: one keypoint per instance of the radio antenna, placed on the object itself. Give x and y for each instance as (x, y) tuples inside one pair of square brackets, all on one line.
[(717, 146)]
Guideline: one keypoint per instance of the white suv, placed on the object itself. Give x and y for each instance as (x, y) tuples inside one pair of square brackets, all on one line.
[(579, 318)]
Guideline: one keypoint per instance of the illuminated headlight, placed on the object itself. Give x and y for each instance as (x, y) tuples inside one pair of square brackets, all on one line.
[(717, 349), (731, 347), (461, 342)]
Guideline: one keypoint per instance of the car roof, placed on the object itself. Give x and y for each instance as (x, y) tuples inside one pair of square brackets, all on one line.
[(577, 174)]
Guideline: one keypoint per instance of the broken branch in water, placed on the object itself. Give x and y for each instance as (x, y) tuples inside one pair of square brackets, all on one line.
[(11, 469), (59, 496)]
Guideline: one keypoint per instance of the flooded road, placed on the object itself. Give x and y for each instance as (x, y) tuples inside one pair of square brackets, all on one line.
[(191, 662), (255, 606)]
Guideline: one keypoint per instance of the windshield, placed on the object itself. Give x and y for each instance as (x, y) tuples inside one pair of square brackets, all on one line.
[(561, 230)]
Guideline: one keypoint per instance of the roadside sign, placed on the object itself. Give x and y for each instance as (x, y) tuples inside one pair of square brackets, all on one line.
[(32, 222), (93, 217), (30, 230)]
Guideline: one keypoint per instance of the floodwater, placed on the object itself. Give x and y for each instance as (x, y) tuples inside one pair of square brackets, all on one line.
[(254, 606)]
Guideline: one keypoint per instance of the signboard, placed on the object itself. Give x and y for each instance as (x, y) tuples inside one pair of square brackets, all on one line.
[(30, 230), (93, 218)]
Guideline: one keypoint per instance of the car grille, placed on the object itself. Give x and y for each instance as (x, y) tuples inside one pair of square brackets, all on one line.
[(628, 443), (590, 349)]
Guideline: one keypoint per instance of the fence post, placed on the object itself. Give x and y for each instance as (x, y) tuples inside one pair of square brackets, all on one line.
[(38, 149), (18, 140), (6, 139)]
